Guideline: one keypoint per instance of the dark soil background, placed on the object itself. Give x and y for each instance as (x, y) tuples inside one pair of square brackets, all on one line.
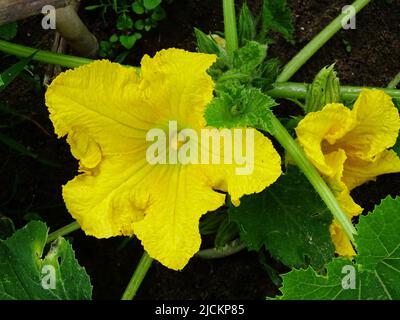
[(30, 189)]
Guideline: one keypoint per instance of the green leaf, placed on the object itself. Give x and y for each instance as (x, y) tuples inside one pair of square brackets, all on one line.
[(113, 38), (128, 41), (8, 75), (9, 31), (270, 70), (247, 26), (227, 232), (237, 107), (151, 4), (246, 65), (249, 57), (137, 7), (124, 22), (289, 219), (376, 267), (139, 24), (277, 16), (210, 222), (25, 272), (158, 14), (6, 227)]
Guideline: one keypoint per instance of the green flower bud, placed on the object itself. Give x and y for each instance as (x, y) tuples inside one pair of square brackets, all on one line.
[(324, 89)]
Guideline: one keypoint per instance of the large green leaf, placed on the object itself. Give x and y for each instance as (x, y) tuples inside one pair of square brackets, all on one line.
[(26, 274), (288, 218), (376, 267)]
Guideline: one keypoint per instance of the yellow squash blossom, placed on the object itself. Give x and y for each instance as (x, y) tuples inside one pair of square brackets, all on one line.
[(106, 110), (350, 147)]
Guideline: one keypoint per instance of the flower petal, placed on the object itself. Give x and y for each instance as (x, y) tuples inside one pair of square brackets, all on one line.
[(342, 243), (177, 81), (320, 130), (378, 125), (106, 201), (170, 229), (96, 105), (357, 172), (260, 169)]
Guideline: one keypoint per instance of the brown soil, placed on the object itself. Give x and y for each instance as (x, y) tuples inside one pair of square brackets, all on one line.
[(29, 188)]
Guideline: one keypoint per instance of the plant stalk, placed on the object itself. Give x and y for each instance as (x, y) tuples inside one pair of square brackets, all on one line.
[(285, 139), (43, 56), (292, 90), (296, 90), (317, 42), (63, 231), (299, 157), (231, 37), (138, 276), (217, 253), (394, 83)]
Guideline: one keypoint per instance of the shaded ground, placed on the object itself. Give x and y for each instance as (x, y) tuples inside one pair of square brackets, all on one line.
[(29, 188)]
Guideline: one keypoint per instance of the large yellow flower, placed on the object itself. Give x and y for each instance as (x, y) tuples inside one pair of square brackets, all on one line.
[(106, 110), (350, 147)]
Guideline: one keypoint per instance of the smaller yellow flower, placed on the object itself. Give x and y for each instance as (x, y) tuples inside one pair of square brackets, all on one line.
[(350, 147)]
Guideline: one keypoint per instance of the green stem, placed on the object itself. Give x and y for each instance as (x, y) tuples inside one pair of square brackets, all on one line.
[(217, 253), (138, 276), (291, 90), (295, 90), (43, 56), (316, 43), (297, 154), (396, 80), (231, 37), (280, 133), (63, 231)]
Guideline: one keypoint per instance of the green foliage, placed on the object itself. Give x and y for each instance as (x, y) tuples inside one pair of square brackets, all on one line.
[(289, 219), (124, 22), (323, 90), (206, 43), (226, 233), (8, 31), (237, 106), (151, 4), (247, 25), (376, 266), (134, 17), (249, 67), (211, 222), (128, 41), (277, 16), (24, 269), (7, 227), (8, 75)]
